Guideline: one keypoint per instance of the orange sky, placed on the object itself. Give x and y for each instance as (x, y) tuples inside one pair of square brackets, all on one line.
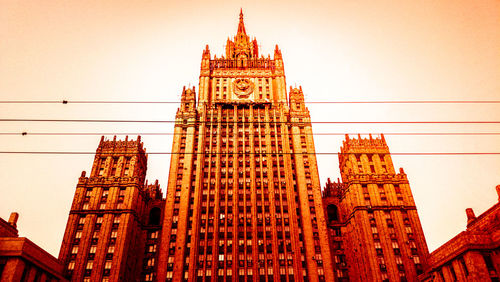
[(337, 51)]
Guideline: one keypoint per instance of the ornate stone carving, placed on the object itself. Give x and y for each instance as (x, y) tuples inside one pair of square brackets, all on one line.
[(243, 87)]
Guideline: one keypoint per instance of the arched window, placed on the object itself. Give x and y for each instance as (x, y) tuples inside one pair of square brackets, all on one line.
[(333, 212), (155, 216)]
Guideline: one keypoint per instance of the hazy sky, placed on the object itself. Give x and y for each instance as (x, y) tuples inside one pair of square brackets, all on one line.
[(336, 50)]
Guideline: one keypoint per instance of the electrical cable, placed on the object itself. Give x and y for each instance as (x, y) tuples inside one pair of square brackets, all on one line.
[(306, 102), (267, 153), (254, 122), (26, 133)]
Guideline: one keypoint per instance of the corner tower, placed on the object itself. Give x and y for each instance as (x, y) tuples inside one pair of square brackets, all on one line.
[(243, 196), (115, 218), (375, 229)]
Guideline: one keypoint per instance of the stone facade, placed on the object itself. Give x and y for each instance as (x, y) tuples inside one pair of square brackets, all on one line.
[(243, 199), (114, 222), (472, 255), (375, 232), (22, 260)]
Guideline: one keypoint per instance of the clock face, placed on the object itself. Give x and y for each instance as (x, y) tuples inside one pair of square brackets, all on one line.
[(243, 88)]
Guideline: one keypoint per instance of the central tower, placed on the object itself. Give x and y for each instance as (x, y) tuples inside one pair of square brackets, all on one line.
[(243, 197)]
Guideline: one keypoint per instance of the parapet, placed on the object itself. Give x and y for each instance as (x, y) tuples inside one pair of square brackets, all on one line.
[(121, 146), (361, 145), (153, 190), (333, 189), (9, 228)]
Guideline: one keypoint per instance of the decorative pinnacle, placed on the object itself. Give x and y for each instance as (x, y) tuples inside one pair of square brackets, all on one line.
[(241, 25)]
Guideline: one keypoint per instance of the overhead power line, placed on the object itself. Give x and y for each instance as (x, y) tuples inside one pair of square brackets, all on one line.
[(307, 102), (240, 122), (25, 133), (272, 153)]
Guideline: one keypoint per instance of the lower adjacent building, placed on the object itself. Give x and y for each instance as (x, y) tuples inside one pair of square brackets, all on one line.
[(472, 255), (23, 260)]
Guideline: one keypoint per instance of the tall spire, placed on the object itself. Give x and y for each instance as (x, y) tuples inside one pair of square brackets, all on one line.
[(242, 47), (241, 25)]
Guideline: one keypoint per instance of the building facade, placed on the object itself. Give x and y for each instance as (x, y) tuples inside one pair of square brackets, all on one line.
[(113, 228), (244, 202), (472, 255), (375, 232), (243, 199), (23, 260)]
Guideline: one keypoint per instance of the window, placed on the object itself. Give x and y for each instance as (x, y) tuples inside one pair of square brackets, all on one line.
[(408, 229), (127, 166), (152, 248), (385, 276), (153, 235), (332, 211), (154, 216), (90, 264), (399, 260), (412, 244), (101, 171), (489, 263), (71, 265), (464, 266), (108, 264), (453, 274), (440, 272), (381, 261), (74, 250)]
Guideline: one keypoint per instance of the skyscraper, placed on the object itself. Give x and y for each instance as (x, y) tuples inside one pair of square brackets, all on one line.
[(243, 198)]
